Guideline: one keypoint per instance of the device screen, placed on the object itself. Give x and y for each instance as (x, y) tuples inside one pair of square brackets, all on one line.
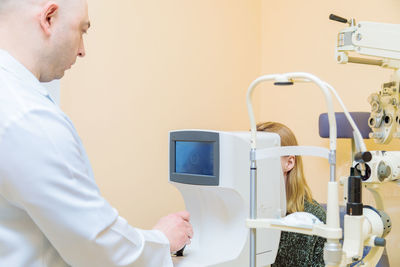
[(194, 157)]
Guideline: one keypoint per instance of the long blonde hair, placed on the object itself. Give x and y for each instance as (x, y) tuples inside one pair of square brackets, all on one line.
[(297, 189)]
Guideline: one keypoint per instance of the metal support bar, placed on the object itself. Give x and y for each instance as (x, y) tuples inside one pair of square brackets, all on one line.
[(366, 61), (253, 206)]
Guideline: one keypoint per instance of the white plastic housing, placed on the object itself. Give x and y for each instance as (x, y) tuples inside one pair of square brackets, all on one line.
[(218, 213), (384, 167)]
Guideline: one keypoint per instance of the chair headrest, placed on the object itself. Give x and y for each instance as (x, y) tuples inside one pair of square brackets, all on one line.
[(344, 129)]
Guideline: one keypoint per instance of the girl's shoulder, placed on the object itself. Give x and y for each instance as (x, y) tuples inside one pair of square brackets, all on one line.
[(316, 209)]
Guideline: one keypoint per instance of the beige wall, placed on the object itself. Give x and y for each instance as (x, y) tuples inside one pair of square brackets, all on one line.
[(297, 36), (153, 66)]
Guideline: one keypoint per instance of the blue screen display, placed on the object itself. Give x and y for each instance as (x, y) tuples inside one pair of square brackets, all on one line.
[(194, 158)]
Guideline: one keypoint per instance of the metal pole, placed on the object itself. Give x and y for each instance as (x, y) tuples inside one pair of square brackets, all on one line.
[(253, 205)]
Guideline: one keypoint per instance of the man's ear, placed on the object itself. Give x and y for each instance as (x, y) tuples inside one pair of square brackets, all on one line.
[(291, 160), (47, 16)]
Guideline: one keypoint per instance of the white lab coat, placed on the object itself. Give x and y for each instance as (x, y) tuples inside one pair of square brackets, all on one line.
[(51, 211)]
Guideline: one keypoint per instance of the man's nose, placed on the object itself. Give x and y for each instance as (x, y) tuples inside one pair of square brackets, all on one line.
[(81, 51)]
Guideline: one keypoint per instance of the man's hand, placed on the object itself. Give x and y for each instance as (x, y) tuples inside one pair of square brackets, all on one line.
[(177, 229)]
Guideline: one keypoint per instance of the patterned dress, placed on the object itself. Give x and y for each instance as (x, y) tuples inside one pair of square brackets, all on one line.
[(299, 250)]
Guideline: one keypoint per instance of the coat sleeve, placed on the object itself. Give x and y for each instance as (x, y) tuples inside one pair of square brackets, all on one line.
[(45, 172)]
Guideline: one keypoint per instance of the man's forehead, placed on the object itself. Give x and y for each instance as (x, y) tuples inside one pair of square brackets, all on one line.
[(86, 22), (81, 10)]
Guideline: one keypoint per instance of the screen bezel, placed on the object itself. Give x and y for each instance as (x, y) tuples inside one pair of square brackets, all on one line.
[(194, 136)]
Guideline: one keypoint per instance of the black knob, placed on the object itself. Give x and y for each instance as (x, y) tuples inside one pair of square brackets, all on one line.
[(380, 242), (283, 83), (363, 157), (337, 18)]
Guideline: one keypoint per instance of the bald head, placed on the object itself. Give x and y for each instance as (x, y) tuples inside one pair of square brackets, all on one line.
[(6, 4), (44, 35), (12, 6)]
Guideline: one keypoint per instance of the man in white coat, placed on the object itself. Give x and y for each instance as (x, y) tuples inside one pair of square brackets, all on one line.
[(51, 211)]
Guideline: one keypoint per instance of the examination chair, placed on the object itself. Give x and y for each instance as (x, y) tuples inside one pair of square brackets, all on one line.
[(344, 131)]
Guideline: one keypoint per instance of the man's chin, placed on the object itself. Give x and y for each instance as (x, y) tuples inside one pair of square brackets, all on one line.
[(52, 78), (58, 76)]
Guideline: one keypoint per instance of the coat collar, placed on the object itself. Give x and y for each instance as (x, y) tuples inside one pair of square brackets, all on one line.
[(14, 67)]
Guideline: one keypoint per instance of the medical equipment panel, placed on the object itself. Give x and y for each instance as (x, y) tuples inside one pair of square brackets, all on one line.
[(211, 170), (194, 157)]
